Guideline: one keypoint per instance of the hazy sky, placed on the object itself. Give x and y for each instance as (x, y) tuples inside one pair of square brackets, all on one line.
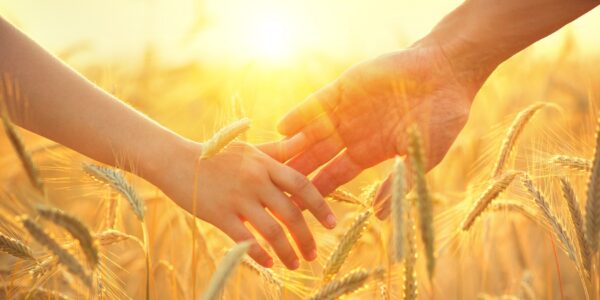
[(242, 28)]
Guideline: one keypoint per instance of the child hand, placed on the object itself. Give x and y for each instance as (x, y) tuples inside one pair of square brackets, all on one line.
[(243, 184)]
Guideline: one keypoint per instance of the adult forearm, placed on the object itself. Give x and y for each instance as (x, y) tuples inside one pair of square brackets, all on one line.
[(61, 105), (481, 34)]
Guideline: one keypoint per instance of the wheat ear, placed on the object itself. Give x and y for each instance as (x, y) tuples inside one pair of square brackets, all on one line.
[(592, 209), (398, 194), (557, 227), (15, 248), (267, 274), (111, 236), (514, 206), (115, 179), (226, 267), (224, 137), (77, 230), (343, 196), (425, 203), (571, 162), (497, 186), (65, 258), (345, 285), (512, 135), (30, 168), (339, 255), (577, 219)]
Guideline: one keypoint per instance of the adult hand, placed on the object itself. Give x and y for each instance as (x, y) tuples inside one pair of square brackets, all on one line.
[(361, 118)]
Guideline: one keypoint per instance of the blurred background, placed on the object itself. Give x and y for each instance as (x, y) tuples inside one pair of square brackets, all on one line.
[(197, 65)]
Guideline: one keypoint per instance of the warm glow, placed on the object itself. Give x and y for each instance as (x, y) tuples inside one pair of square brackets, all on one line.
[(268, 37)]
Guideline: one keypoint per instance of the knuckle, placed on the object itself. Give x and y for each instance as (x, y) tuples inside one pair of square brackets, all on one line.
[(273, 231), (300, 182)]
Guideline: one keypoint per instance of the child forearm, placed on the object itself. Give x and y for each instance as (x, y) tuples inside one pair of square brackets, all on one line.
[(61, 105)]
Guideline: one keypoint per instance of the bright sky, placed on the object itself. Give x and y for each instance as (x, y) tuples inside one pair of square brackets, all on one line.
[(240, 29)]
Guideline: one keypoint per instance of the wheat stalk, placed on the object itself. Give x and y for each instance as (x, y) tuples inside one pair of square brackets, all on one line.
[(77, 230), (263, 272), (343, 196), (398, 195), (512, 135), (339, 255), (592, 217), (224, 137), (347, 284), (557, 227), (111, 215), (115, 179), (410, 289), (425, 203), (32, 171), (577, 219), (15, 248), (228, 264), (497, 186), (65, 258), (572, 162)]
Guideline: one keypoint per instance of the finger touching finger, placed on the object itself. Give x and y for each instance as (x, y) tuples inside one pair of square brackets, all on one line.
[(287, 148)]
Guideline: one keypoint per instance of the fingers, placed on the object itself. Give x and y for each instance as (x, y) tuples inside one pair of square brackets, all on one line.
[(236, 230), (288, 213), (317, 155), (303, 192), (337, 172), (270, 229), (320, 128), (285, 149), (321, 101)]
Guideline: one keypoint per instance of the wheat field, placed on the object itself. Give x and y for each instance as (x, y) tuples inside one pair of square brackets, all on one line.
[(512, 212)]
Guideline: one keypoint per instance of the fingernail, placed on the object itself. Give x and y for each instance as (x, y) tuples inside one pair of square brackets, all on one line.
[(330, 220), (295, 264), (312, 255)]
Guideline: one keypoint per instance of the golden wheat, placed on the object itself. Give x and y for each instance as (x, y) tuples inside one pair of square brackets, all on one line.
[(224, 137), (77, 230), (398, 194), (592, 217), (65, 258), (512, 135), (497, 186), (111, 236), (227, 265), (424, 203), (339, 255), (267, 274), (115, 179), (343, 196), (571, 162), (558, 229), (577, 219), (15, 248), (30, 168), (345, 285), (409, 286)]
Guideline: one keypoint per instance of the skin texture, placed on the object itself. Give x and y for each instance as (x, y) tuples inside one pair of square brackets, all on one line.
[(360, 119), (242, 184)]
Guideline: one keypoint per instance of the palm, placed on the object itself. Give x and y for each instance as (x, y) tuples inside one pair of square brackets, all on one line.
[(365, 113)]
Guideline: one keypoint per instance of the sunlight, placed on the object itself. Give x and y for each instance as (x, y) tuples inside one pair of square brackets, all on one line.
[(269, 37)]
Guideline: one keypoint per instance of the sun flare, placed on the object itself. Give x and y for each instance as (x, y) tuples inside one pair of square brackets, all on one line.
[(269, 37)]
